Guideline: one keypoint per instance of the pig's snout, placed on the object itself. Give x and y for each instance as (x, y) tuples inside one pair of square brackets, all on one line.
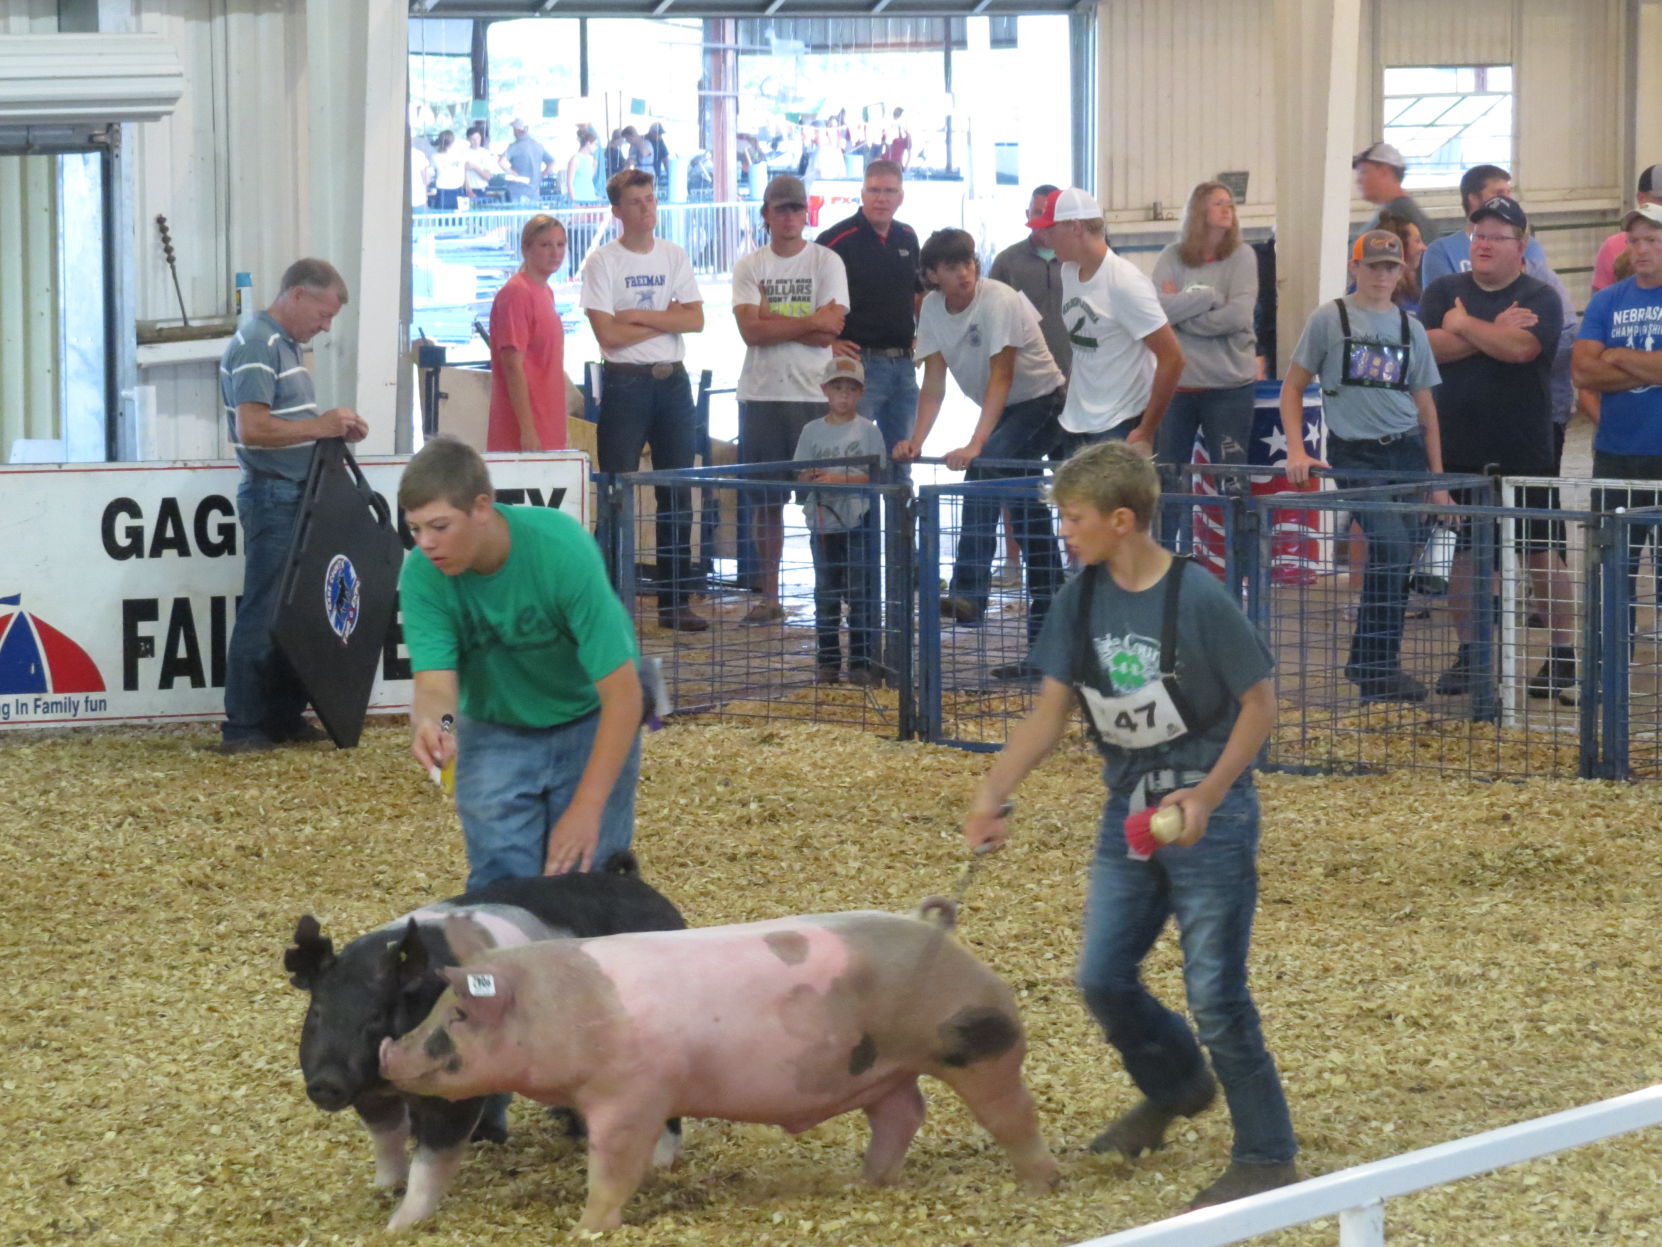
[(329, 1093)]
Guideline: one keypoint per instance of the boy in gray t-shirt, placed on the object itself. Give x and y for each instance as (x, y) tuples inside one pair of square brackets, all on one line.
[(838, 534)]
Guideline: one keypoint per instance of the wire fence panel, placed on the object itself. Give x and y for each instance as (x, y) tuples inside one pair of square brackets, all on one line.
[(1516, 632), (693, 552)]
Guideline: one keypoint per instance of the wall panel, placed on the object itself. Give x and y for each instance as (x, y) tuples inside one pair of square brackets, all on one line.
[(28, 299), (1435, 32), (1569, 85)]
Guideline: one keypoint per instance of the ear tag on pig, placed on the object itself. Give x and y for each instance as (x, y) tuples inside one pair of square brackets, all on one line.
[(481, 985)]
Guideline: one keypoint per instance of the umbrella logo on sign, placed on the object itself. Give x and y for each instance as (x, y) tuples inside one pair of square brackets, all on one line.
[(36, 658), (342, 596)]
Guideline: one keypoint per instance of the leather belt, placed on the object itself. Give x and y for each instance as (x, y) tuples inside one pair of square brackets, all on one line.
[(887, 352), (659, 372)]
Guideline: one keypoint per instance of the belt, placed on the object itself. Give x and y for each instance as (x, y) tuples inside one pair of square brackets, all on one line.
[(659, 372), (888, 352), (1387, 440)]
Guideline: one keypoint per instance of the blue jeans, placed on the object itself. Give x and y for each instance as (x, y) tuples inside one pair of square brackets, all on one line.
[(1070, 444), (1608, 466), (1222, 416), (891, 398), (512, 785), (637, 409), (844, 572), (1394, 539), (1026, 430), (263, 696), (1211, 888)]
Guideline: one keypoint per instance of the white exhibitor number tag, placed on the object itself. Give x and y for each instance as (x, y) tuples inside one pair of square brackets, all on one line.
[(1137, 720), (481, 985)]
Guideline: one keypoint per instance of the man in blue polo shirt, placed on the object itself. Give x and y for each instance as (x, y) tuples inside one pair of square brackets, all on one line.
[(880, 255), (272, 414)]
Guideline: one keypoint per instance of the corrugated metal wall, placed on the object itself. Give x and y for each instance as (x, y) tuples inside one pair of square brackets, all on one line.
[(28, 299), (1185, 90)]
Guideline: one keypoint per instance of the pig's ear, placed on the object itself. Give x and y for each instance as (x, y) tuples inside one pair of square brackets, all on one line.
[(312, 953), (485, 995), (467, 936), (407, 958)]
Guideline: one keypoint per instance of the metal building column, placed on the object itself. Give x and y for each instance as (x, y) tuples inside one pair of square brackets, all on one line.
[(1315, 108), (1082, 36)]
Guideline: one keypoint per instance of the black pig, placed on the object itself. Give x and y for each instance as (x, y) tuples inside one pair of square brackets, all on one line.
[(383, 984)]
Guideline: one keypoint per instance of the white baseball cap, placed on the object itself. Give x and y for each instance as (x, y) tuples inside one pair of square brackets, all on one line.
[(1071, 204)]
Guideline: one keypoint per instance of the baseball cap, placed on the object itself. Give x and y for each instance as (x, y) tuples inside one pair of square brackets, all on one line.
[(1644, 212), (842, 368), (1502, 208), (1380, 154), (786, 188), (1377, 246), (519, 123), (1650, 181), (1071, 204)]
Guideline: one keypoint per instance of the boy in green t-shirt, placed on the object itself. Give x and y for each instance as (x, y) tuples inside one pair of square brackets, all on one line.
[(513, 628)]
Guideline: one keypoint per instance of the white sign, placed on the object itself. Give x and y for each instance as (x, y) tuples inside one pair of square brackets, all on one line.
[(119, 582)]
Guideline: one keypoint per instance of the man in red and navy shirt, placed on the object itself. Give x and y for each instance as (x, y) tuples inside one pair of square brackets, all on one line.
[(881, 257)]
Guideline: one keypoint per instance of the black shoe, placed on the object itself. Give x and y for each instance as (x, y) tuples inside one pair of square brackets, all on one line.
[(828, 673), (683, 620), (1142, 1127), (1397, 686), (1556, 674), (306, 734), (867, 674), (243, 744), (1462, 677), (961, 610), (1024, 671), (1242, 1179)]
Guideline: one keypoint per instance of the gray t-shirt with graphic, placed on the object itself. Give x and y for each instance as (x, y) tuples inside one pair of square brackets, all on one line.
[(1219, 656), (837, 510), (1358, 411)]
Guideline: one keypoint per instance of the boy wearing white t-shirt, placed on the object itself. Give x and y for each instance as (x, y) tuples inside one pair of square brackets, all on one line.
[(640, 296), (988, 337), (789, 298), (1126, 359)]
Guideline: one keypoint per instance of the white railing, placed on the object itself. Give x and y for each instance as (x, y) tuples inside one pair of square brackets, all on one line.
[(1357, 1196)]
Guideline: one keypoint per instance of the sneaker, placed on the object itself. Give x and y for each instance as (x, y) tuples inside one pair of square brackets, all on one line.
[(1398, 686), (1024, 671), (1462, 677), (232, 746), (961, 610), (828, 673), (1142, 1128), (1242, 1179), (763, 613), (1556, 674), (683, 620)]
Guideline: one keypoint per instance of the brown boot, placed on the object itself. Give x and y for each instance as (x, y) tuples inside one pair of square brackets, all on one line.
[(1242, 1179), (1142, 1128)]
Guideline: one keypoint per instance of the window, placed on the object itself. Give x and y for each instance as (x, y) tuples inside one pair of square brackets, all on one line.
[(1444, 119)]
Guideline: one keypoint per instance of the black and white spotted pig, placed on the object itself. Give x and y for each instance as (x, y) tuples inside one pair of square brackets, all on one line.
[(383, 984)]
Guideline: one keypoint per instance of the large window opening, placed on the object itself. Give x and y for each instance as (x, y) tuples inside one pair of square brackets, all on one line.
[(1444, 119), (978, 109)]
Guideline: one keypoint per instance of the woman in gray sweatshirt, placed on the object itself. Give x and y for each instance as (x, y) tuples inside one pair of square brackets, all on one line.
[(1208, 284)]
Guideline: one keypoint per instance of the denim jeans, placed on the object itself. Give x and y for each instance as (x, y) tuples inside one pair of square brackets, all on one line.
[(1211, 888), (1609, 466), (891, 398), (1070, 444), (1027, 430), (637, 409), (263, 696), (1394, 539), (844, 571), (1222, 416), (512, 785)]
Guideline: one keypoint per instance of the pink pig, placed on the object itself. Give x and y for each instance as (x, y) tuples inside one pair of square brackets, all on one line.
[(788, 1022)]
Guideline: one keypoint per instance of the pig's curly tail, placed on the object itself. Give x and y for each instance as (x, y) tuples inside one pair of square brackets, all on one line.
[(941, 910)]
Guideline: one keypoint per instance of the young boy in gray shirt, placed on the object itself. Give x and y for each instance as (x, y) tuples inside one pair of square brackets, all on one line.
[(838, 534)]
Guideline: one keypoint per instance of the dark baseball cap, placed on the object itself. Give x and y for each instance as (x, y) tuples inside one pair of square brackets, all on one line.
[(1377, 246), (1650, 181), (785, 188), (1503, 208)]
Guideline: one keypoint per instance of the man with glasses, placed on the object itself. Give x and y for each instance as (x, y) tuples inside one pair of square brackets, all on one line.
[(880, 255), (1494, 331), (790, 299), (641, 297)]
